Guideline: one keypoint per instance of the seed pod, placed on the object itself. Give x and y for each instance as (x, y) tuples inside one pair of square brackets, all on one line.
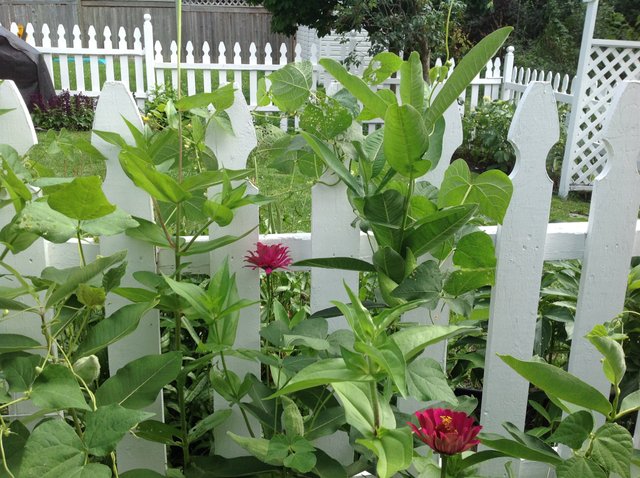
[(291, 418)]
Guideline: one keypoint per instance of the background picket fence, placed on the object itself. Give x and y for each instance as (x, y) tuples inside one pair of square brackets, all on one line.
[(143, 63), (605, 245)]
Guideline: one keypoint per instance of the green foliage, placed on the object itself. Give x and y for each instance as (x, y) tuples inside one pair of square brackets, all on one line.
[(63, 111)]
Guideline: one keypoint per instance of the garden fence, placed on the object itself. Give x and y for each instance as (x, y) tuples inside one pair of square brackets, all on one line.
[(81, 64), (605, 245)]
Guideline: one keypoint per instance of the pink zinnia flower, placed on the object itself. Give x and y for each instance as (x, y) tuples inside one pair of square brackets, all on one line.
[(268, 258), (445, 431)]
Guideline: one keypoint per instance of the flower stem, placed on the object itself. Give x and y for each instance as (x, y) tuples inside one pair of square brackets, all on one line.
[(443, 470)]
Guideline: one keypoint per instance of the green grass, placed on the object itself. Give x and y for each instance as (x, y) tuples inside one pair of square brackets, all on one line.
[(290, 210)]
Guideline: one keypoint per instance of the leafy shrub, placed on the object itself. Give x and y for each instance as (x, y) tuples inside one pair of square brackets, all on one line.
[(73, 112)]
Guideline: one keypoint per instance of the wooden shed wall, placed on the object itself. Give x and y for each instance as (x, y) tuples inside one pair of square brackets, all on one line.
[(214, 24)]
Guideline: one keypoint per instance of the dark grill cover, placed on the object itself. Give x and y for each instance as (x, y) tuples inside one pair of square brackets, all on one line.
[(23, 64)]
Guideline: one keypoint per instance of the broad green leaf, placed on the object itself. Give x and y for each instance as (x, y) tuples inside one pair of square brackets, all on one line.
[(19, 370), (327, 467), (14, 446), (219, 467), (106, 426), (390, 358), (394, 449), (560, 384), (344, 263), (412, 82), (326, 422), (81, 199), (69, 279), (144, 175), (574, 429), (389, 262), (630, 403), (517, 449), (56, 388), (115, 223), (437, 228), (611, 449), (423, 283), (381, 67), (357, 405), (327, 120), (322, 372), (385, 208), (475, 250), (436, 142), (10, 304), (534, 443), (472, 64), (159, 432), (491, 190), (193, 294), (614, 365), (405, 141), (208, 423), (303, 462), (38, 218), (356, 87), (206, 179), (201, 247), (258, 447), (149, 232), (465, 280), (413, 340), (426, 381), (333, 162), (221, 99), (17, 343), (579, 467), (113, 328), (53, 450), (291, 85), (138, 383)]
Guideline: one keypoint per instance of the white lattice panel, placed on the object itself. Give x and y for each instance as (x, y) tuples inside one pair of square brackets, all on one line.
[(217, 3), (608, 64)]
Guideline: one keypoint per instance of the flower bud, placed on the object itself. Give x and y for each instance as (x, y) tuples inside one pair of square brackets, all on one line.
[(87, 368)]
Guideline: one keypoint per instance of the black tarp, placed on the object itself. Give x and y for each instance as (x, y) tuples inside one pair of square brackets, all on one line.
[(23, 64)]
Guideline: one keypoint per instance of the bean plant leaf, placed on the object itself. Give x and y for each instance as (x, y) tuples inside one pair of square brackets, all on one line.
[(38, 218), (17, 343), (611, 449), (470, 66), (630, 403), (423, 283), (475, 250), (579, 467), (201, 247), (344, 263), (613, 364), (427, 381), (56, 388), (113, 328), (53, 450), (412, 341), (291, 85), (356, 86), (574, 429), (384, 208), (517, 449), (208, 423), (115, 223), (405, 141), (221, 99), (19, 370), (149, 232), (560, 384), (381, 67), (138, 383), (327, 467), (81, 199), (107, 425)]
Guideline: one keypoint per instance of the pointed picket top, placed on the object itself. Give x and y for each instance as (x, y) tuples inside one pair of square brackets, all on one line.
[(122, 38), (137, 39), (16, 127), (253, 50), (232, 149), (237, 59), (106, 33), (174, 52), (283, 54), (190, 58), (206, 49), (93, 42), (298, 52), (62, 41), (268, 60), (13, 28), (222, 58), (77, 37), (611, 231), (520, 256), (31, 39), (314, 54), (497, 67), (46, 36), (158, 49)]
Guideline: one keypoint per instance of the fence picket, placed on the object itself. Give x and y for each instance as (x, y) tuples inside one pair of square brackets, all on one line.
[(108, 45), (94, 64), (237, 60), (222, 60), (191, 74), (253, 75), (206, 60), (124, 59), (46, 43), (173, 59), (63, 60), (30, 37), (610, 235), (116, 103)]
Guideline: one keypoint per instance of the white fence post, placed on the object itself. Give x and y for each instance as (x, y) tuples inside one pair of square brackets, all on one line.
[(115, 104), (149, 48), (520, 254), (611, 233), (507, 72), (232, 151)]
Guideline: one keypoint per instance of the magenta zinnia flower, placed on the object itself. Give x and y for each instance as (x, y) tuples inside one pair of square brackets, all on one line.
[(445, 431), (268, 258)]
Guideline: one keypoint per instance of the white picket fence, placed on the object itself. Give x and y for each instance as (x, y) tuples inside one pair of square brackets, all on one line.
[(605, 245), (142, 64)]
